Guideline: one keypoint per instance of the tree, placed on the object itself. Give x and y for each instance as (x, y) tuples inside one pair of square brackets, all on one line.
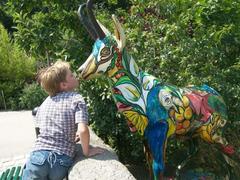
[(49, 30)]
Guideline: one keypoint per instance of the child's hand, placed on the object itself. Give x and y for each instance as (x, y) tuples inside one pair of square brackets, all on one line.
[(95, 150)]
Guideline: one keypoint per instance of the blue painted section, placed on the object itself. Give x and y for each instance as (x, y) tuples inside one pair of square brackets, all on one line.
[(156, 137), (96, 48), (156, 131), (210, 90), (155, 111)]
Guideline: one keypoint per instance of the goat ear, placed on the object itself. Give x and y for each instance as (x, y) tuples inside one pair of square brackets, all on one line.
[(119, 33), (105, 30)]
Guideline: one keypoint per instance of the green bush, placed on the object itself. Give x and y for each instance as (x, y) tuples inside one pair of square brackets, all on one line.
[(33, 95), (11, 91), (15, 69)]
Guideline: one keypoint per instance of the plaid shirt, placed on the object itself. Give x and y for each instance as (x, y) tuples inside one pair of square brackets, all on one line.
[(57, 119)]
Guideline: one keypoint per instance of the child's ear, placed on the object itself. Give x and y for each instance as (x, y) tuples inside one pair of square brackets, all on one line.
[(63, 86)]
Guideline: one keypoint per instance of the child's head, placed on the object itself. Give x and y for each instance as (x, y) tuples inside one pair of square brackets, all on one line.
[(57, 78)]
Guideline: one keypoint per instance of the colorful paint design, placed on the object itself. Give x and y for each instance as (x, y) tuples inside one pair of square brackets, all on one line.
[(157, 111), (154, 109)]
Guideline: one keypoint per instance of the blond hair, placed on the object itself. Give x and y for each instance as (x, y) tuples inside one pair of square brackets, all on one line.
[(51, 77)]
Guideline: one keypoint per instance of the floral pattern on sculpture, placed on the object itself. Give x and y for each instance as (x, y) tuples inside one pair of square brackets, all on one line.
[(182, 116)]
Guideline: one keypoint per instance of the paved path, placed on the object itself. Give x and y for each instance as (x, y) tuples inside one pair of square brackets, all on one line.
[(17, 133)]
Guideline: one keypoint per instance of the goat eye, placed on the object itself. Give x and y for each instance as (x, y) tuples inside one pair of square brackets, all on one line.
[(105, 51)]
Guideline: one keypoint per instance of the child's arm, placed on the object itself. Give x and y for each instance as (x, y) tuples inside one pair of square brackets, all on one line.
[(83, 134)]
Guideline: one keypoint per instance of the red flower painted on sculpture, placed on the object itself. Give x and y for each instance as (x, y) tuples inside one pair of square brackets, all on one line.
[(199, 103)]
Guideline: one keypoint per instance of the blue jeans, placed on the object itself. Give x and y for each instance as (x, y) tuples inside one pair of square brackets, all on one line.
[(47, 165)]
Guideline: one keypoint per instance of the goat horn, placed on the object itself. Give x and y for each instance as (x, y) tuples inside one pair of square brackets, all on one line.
[(94, 22), (85, 21)]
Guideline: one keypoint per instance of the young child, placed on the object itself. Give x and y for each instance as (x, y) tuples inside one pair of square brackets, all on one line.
[(57, 119)]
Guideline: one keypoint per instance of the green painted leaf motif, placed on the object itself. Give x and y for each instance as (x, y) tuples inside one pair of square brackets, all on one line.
[(119, 98), (134, 67), (148, 82), (145, 84), (129, 92), (123, 80), (113, 61)]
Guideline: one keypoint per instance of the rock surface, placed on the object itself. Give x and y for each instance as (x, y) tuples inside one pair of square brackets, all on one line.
[(100, 167)]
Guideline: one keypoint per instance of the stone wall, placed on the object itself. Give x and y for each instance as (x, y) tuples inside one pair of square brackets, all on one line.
[(105, 166)]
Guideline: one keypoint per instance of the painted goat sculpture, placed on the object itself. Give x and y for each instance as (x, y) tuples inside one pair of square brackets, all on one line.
[(155, 110)]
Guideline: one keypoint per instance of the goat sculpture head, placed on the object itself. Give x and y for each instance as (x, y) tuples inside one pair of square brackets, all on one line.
[(106, 47)]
